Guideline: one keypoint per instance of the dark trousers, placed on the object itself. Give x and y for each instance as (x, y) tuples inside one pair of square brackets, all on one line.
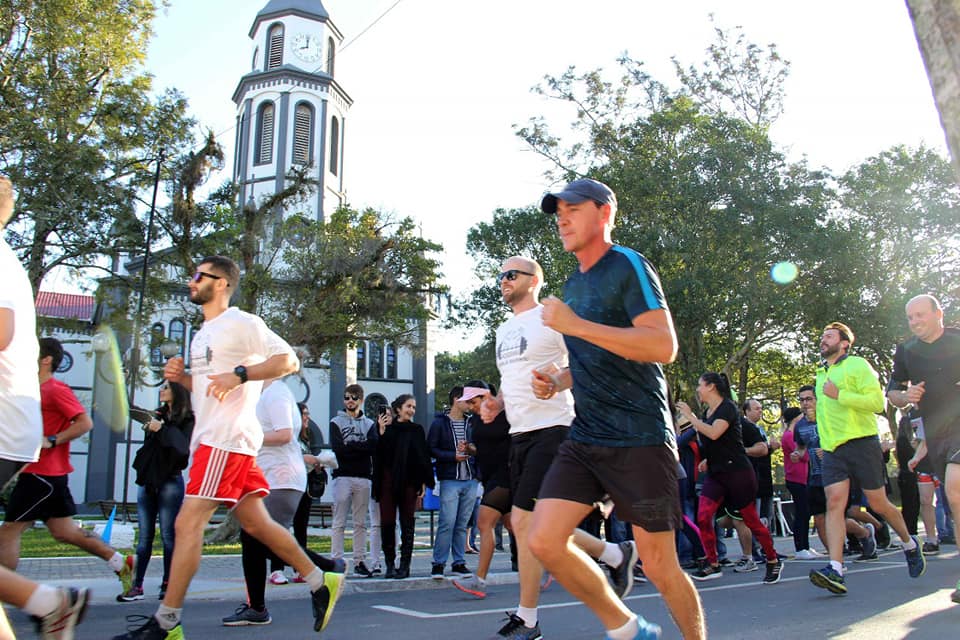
[(403, 501), (909, 501), (801, 515)]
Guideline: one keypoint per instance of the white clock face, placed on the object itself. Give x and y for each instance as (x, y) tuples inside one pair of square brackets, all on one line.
[(306, 47)]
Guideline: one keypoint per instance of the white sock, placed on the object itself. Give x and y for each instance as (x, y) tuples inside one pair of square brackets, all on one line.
[(42, 601), (314, 579), (909, 545), (116, 562), (528, 615), (837, 566), (167, 617), (627, 631), (612, 555)]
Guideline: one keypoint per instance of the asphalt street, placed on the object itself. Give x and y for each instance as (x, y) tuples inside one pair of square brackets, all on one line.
[(883, 603)]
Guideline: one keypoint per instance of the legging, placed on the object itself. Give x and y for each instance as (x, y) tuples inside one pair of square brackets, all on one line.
[(736, 487), (389, 505), (300, 521)]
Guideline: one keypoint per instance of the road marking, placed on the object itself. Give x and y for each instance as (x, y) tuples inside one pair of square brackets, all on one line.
[(426, 615)]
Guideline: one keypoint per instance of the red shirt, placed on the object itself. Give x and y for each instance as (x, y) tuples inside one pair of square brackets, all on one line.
[(59, 407)]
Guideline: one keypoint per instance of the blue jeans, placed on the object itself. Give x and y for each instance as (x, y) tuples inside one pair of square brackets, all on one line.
[(457, 498), (943, 515), (165, 503)]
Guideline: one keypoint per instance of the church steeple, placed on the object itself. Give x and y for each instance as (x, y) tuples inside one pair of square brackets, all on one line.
[(291, 111)]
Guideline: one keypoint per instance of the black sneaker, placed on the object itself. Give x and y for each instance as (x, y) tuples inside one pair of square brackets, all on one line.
[(916, 563), (517, 628), (247, 615), (638, 574), (774, 569), (621, 576), (724, 562), (706, 572), (150, 630), (868, 545), (931, 548), (360, 569), (437, 572), (460, 570), (377, 569)]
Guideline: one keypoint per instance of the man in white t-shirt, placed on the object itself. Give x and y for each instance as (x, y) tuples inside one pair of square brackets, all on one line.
[(21, 428), (230, 357), (537, 427)]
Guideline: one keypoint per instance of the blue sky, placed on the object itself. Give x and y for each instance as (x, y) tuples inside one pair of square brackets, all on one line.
[(438, 84)]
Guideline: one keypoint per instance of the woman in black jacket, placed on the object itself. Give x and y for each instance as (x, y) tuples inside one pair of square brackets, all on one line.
[(402, 470), (158, 463)]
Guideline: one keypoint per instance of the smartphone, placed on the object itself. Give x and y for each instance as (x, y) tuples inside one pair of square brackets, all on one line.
[(382, 410)]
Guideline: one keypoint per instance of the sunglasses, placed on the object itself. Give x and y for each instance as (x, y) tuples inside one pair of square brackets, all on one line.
[(200, 275), (511, 275), (350, 397)]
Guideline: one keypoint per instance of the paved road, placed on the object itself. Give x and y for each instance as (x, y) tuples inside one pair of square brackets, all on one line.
[(884, 603)]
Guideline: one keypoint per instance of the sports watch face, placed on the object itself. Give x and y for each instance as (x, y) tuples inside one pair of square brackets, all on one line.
[(306, 47)]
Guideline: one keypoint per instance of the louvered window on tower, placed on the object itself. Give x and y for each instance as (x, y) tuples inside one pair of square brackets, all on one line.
[(264, 146), (302, 128), (334, 145), (275, 55)]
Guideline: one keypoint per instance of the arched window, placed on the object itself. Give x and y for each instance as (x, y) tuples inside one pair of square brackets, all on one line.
[(376, 360), (391, 361), (334, 144), (361, 359), (331, 56), (275, 46), (157, 334), (263, 148), (178, 331), (302, 134)]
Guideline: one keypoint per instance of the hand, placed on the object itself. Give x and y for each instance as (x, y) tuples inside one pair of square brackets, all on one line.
[(174, 369), (46, 444), (543, 385), (795, 456), (819, 453), (684, 410), (912, 464), (773, 444), (702, 467), (221, 384), (490, 408), (154, 425), (915, 392), (558, 316), (830, 389)]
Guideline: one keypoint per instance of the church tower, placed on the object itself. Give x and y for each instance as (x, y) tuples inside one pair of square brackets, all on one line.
[(290, 109)]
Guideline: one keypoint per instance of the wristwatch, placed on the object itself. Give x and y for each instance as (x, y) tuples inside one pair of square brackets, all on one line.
[(240, 372), (52, 440)]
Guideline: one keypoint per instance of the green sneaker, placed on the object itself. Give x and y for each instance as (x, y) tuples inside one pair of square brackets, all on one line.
[(325, 599), (128, 572)]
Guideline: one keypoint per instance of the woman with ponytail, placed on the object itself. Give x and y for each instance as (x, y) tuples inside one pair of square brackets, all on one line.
[(731, 478)]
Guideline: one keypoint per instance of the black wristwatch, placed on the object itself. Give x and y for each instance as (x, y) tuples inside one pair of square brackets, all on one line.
[(52, 440), (240, 372)]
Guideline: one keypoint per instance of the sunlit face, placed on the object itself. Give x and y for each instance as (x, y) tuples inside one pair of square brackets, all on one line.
[(512, 291), (925, 320), (407, 410), (831, 343), (473, 404), (203, 290), (580, 224), (754, 412), (305, 420), (808, 403), (703, 389), (166, 395)]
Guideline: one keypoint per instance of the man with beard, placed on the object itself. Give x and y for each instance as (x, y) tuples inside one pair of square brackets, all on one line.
[(230, 356), (848, 397)]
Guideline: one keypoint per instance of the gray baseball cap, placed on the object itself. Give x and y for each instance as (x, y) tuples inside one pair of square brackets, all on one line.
[(579, 191)]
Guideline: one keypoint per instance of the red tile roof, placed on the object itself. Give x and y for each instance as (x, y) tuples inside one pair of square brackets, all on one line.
[(65, 305)]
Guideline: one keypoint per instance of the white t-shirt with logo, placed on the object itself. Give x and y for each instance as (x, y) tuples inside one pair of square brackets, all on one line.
[(525, 344), (281, 464), (233, 338), (21, 426)]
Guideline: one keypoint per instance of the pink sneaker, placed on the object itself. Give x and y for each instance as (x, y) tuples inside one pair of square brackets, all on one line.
[(277, 577)]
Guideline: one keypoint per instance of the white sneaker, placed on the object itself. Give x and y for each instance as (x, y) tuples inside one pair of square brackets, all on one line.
[(745, 565), (278, 577), (807, 554)]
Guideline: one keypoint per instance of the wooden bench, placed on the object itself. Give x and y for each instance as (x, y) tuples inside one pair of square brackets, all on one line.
[(130, 509)]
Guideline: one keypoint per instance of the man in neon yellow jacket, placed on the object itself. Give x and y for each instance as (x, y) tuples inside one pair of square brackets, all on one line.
[(848, 397)]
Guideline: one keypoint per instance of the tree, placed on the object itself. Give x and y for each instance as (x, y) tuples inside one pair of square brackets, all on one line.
[(452, 369), (78, 129)]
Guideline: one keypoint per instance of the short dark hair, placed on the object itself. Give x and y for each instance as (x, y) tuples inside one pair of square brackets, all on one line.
[(355, 390), (806, 387), (720, 381), (51, 347), (455, 392), (790, 413), (227, 267)]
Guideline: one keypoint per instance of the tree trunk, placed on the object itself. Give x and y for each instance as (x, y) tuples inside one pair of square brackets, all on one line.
[(226, 532)]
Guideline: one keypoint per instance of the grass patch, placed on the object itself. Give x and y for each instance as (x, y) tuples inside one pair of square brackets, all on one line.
[(38, 543)]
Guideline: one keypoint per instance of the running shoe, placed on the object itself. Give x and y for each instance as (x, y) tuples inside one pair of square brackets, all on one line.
[(325, 599), (706, 572), (868, 545), (60, 623), (127, 573), (246, 615), (472, 586), (436, 572), (638, 574), (377, 569), (360, 569), (774, 569), (726, 562), (516, 628), (460, 570), (163, 591), (916, 563), (931, 548), (807, 554), (150, 630), (955, 596), (828, 578), (278, 577), (745, 565), (621, 576), (646, 630), (135, 593)]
